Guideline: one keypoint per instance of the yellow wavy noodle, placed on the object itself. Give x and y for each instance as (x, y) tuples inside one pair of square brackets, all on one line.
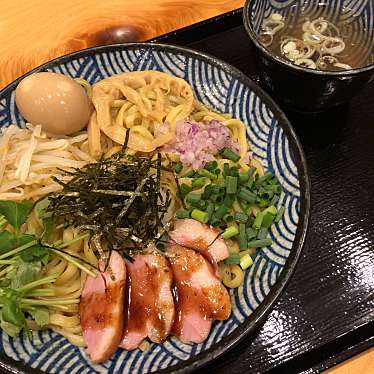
[(257, 164), (238, 131), (148, 99)]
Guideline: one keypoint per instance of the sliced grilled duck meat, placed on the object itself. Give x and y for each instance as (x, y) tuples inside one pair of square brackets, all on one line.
[(199, 294), (101, 310), (201, 237), (150, 303)]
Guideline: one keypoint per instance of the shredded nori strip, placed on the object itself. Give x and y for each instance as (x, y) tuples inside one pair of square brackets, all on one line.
[(118, 198)]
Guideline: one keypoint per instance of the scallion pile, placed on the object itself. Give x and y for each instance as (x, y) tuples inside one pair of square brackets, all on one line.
[(242, 205)]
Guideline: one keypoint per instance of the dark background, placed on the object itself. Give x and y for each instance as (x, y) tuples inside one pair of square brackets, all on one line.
[(326, 313)]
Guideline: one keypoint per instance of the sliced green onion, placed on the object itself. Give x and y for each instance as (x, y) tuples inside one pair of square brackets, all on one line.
[(250, 183), (200, 216), (263, 203), (274, 188), (233, 259), (274, 200), (202, 204), (258, 220), (241, 217), (259, 243), (215, 222), (193, 198), (262, 233), (267, 220), (216, 189), (246, 261), (210, 210), (271, 209), (217, 172), (251, 171), (207, 192), (220, 199), (198, 182), (231, 184), (230, 232), (226, 169), (247, 195), (230, 155), (242, 237), (207, 173), (243, 205), (190, 174), (178, 167), (279, 214), (221, 211), (211, 166), (251, 233), (214, 197), (184, 189), (243, 177), (183, 214), (229, 200), (234, 171), (268, 175), (228, 217), (261, 180)]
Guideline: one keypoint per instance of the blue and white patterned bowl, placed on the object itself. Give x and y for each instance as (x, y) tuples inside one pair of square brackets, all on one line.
[(273, 141), (306, 89)]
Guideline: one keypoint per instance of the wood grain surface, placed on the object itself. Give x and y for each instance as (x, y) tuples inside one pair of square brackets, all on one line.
[(35, 31)]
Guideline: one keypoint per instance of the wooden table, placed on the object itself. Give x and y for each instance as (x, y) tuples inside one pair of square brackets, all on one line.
[(35, 31)]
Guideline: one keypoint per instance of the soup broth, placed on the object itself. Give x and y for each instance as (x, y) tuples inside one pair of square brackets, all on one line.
[(314, 42)]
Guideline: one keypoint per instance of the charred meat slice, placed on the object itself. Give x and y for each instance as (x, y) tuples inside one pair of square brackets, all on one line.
[(101, 310), (201, 237), (150, 304), (199, 294)]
